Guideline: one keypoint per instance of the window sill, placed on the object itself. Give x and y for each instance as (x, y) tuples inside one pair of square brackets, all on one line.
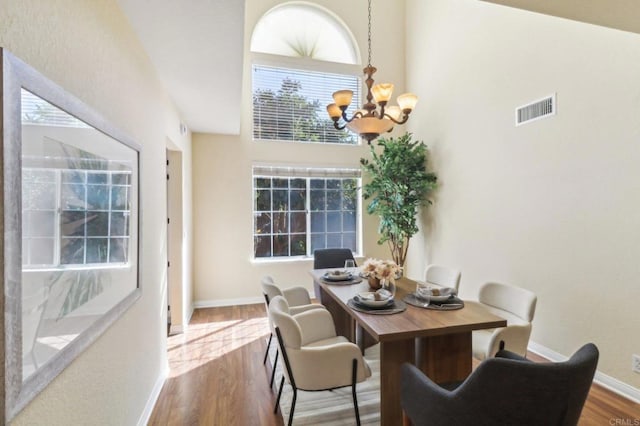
[(89, 267), (266, 260)]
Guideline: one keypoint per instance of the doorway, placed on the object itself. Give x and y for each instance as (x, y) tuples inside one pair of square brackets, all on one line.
[(175, 246)]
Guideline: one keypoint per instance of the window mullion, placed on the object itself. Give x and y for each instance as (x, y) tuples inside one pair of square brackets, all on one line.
[(271, 212), (308, 215), (57, 235)]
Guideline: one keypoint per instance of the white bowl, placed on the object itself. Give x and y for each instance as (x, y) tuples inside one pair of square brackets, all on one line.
[(368, 299), (337, 275)]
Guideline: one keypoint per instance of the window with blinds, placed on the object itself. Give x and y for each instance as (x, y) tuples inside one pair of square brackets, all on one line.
[(299, 210), (290, 105), (36, 110)]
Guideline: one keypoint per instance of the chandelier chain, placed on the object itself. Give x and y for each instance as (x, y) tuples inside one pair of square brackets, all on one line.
[(369, 34)]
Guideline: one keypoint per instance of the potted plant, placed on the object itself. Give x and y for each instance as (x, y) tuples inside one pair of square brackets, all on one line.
[(399, 184)]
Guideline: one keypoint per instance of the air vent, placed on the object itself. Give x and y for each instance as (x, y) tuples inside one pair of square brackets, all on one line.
[(536, 110)]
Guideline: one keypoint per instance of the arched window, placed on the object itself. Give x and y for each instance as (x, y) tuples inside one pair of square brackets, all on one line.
[(304, 30), (302, 53)]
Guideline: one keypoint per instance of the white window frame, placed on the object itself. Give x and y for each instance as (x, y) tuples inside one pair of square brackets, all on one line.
[(312, 172), (57, 223)]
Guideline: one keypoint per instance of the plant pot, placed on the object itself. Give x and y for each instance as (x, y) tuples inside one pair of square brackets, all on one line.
[(374, 283)]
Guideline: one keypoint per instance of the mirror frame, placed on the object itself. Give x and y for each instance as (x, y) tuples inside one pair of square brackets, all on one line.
[(16, 393)]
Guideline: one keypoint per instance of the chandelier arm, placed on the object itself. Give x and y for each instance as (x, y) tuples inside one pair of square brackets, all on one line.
[(405, 117), (357, 114), (337, 126)]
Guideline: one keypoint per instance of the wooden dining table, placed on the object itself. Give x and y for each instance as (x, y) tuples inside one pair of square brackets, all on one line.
[(436, 341)]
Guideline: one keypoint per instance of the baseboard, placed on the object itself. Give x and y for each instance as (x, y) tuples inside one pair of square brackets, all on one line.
[(227, 302), (153, 397), (176, 329), (614, 385), (191, 309)]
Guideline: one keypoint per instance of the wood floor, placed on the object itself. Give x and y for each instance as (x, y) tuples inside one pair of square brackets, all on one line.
[(217, 376)]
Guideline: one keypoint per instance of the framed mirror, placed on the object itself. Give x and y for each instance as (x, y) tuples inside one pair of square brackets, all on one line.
[(70, 216)]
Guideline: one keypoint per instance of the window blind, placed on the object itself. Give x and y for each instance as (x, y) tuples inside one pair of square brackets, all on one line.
[(290, 105), (38, 111), (305, 172)]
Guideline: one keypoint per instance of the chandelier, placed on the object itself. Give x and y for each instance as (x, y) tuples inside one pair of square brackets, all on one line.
[(369, 122)]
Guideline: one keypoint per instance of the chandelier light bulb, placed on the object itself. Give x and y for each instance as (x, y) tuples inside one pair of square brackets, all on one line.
[(382, 92), (334, 111), (407, 101), (343, 98)]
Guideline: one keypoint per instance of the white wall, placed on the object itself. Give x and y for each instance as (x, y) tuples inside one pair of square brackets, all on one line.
[(551, 206), (88, 48), (223, 244)]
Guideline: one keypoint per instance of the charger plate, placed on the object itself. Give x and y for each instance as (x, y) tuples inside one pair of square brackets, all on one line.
[(394, 308), (354, 280), (452, 304)]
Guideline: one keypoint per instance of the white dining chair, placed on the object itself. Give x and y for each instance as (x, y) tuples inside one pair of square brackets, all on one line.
[(313, 357), (516, 305), (298, 301), (443, 276)]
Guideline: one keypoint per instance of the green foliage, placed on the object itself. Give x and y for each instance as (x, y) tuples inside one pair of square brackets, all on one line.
[(399, 185)]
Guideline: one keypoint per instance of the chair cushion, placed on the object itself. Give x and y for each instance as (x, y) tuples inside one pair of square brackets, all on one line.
[(482, 339), (519, 301), (512, 319), (327, 342), (480, 342), (332, 341)]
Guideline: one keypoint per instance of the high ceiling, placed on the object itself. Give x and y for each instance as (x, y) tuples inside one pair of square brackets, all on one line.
[(619, 14), (197, 48)]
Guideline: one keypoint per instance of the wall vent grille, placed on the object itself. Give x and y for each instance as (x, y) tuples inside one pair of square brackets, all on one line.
[(536, 110)]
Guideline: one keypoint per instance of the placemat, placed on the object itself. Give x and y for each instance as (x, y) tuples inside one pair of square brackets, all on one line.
[(397, 307), (451, 304), (355, 280)]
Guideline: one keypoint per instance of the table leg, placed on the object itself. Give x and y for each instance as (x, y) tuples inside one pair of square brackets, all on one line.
[(392, 356), (345, 325), (445, 358)]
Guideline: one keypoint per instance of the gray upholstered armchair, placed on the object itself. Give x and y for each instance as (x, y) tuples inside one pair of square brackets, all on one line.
[(505, 390), (331, 258), (313, 356)]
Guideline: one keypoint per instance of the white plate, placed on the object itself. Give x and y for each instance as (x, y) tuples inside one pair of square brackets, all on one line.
[(337, 275), (368, 299)]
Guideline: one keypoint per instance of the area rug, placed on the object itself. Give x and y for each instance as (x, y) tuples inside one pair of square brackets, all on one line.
[(334, 408)]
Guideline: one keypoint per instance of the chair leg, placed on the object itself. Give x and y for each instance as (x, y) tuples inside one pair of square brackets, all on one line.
[(406, 421), (293, 405), (273, 370), (275, 408), (266, 353), (354, 376)]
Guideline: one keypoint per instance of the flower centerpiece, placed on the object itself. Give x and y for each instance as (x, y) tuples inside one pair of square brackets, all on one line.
[(380, 271)]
